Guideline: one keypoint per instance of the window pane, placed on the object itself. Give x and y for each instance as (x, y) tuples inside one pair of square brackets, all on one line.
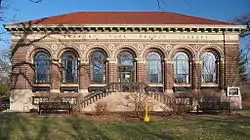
[(97, 67), (70, 67), (154, 74), (125, 58), (42, 67), (181, 68), (209, 67)]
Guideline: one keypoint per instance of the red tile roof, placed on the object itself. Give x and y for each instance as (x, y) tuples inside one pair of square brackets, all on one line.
[(125, 18)]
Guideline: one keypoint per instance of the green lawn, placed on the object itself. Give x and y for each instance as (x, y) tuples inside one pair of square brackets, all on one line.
[(17, 126)]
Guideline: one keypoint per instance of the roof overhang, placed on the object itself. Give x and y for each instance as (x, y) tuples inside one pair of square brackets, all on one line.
[(125, 27)]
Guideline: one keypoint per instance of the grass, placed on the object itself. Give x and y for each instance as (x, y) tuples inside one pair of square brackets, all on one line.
[(18, 126)]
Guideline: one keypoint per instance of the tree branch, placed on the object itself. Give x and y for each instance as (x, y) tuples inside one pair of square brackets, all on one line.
[(36, 1)]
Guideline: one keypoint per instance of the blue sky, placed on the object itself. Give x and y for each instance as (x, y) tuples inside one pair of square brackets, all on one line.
[(225, 10)]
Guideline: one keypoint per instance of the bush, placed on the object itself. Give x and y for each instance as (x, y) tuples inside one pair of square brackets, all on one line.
[(184, 102), (177, 106), (135, 102), (4, 90), (101, 108)]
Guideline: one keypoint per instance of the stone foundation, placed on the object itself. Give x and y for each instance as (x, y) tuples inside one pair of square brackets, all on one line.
[(21, 100), (118, 101)]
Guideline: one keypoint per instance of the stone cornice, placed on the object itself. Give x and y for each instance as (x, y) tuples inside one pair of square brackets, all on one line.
[(194, 37), (130, 41), (124, 27)]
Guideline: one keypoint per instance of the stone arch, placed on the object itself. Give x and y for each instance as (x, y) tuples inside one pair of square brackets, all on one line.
[(216, 50), (94, 48), (186, 48), (150, 48), (67, 49), (123, 47), (34, 50), (60, 53)]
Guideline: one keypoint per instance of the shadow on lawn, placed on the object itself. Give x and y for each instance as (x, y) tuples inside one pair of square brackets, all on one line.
[(22, 126), (12, 122), (232, 126), (112, 130), (82, 129)]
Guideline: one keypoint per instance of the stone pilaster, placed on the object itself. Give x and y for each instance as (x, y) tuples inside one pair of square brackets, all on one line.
[(84, 77), (141, 71), (221, 74), (112, 73), (55, 78), (169, 77), (196, 74)]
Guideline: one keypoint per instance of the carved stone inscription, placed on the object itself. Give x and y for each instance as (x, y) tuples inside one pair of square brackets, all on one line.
[(135, 36)]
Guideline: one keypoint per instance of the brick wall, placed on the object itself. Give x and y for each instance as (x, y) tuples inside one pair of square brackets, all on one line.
[(141, 72), (84, 76), (22, 71), (231, 66), (196, 75), (169, 76), (55, 75), (221, 75), (113, 72)]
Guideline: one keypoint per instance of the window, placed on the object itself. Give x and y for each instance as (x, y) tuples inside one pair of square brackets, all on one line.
[(126, 67), (98, 67), (70, 67), (126, 59), (42, 68), (154, 68), (209, 68), (181, 68)]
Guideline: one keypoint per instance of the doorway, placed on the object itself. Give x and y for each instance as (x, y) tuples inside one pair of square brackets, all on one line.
[(126, 69)]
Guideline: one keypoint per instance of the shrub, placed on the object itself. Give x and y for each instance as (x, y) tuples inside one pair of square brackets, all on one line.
[(177, 106), (101, 108), (4, 90), (135, 102)]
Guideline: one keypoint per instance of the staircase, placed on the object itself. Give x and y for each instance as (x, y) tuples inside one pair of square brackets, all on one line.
[(93, 97), (116, 92)]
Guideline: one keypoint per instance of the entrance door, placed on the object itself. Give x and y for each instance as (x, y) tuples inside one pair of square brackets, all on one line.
[(125, 77), (126, 74), (126, 68)]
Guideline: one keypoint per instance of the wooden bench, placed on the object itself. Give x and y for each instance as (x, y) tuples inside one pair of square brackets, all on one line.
[(4, 104), (214, 106), (54, 107)]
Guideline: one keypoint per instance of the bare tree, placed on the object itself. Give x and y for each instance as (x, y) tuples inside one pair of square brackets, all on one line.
[(5, 62), (245, 34), (244, 20)]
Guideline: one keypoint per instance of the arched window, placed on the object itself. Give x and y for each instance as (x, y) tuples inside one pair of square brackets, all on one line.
[(154, 68), (42, 67), (70, 67), (209, 68), (181, 68), (126, 67), (98, 67), (125, 58)]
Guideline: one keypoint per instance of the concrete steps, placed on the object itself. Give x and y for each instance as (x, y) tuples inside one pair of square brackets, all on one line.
[(124, 101)]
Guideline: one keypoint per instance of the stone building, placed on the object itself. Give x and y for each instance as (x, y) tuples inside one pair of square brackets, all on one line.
[(81, 53)]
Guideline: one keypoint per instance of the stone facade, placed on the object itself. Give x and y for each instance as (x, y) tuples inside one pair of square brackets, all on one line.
[(221, 40)]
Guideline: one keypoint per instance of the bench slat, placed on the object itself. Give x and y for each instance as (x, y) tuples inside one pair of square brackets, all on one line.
[(54, 106), (220, 106)]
